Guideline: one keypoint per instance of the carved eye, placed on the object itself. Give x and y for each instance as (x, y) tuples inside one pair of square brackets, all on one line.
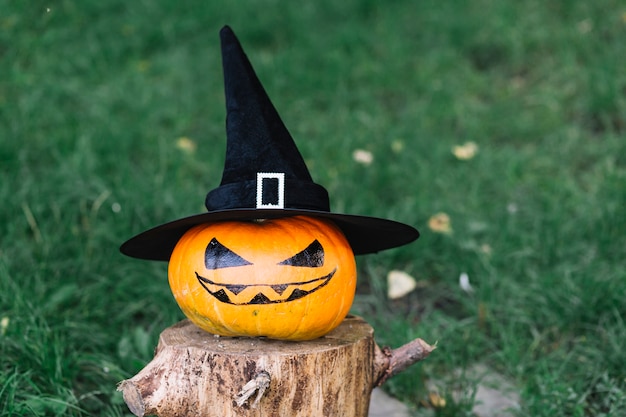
[(219, 256), (311, 257)]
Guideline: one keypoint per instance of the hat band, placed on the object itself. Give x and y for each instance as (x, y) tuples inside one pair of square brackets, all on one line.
[(286, 194)]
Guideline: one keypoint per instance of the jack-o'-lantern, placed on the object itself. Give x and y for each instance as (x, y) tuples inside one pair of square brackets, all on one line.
[(291, 278)]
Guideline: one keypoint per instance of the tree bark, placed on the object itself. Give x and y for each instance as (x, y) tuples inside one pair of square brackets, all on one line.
[(195, 373)]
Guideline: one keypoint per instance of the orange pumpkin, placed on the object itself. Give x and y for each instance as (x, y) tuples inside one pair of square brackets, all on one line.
[(290, 278)]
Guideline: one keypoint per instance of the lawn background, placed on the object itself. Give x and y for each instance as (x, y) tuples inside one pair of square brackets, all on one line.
[(95, 97)]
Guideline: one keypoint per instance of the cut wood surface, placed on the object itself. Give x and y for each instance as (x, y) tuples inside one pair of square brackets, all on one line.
[(195, 373)]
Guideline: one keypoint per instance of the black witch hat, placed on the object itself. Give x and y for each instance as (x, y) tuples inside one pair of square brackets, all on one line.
[(264, 174)]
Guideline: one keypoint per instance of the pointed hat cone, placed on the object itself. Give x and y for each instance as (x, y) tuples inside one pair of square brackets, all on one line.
[(264, 174), (256, 134), (258, 143)]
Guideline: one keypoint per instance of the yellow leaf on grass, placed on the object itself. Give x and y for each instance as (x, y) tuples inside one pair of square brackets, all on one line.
[(440, 223), (399, 284), (185, 144), (436, 400), (4, 323), (466, 151)]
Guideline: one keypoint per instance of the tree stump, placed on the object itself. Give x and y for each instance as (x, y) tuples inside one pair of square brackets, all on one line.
[(195, 373)]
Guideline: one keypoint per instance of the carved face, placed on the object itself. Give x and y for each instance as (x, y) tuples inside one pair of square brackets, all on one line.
[(291, 278)]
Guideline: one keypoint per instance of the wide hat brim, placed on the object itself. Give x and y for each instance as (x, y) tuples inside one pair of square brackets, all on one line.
[(365, 234)]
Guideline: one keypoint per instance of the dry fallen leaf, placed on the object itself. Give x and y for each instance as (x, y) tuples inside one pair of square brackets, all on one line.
[(399, 284), (4, 323), (440, 223), (185, 144), (464, 283), (436, 400), (466, 151), (362, 156)]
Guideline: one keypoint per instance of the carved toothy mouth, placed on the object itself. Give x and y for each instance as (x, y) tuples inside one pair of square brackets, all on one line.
[(302, 289)]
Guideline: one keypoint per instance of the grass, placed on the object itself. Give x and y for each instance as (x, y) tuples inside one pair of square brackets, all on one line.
[(94, 96)]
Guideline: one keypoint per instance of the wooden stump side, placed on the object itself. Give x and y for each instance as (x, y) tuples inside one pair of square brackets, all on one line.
[(195, 373)]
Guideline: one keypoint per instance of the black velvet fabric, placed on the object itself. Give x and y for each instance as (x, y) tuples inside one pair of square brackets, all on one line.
[(241, 195), (259, 142)]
